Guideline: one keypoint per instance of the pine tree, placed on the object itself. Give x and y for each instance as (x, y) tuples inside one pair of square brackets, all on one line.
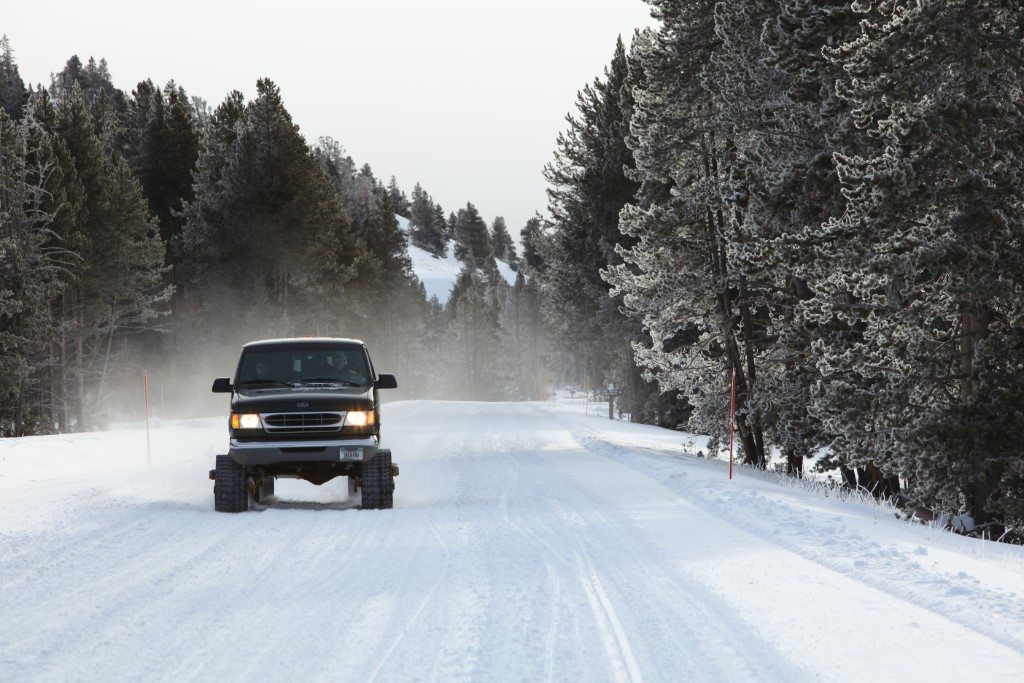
[(119, 289), (398, 199), (92, 78), (450, 224), (524, 343), (679, 275), (531, 237), (591, 180), (501, 242), (65, 201), (925, 263), (13, 94), (471, 342), (266, 230), (472, 239), (775, 110), (441, 226), (426, 223), (161, 144), (32, 265)]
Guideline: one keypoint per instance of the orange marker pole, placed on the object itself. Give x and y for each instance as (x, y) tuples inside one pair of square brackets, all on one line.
[(732, 419), (145, 392)]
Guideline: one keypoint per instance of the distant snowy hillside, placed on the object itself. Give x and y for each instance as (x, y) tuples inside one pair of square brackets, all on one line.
[(438, 274)]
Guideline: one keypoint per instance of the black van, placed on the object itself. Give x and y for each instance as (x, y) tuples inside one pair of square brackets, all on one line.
[(307, 409)]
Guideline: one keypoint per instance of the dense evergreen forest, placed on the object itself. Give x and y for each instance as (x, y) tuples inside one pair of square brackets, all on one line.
[(820, 198), (148, 230), (824, 198)]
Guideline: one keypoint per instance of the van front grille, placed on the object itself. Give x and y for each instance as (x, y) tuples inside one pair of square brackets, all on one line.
[(283, 423)]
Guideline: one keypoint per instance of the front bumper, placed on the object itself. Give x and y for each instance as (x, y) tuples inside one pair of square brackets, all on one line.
[(325, 450)]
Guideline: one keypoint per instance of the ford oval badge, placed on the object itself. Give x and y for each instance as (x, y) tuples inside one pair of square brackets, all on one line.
[(302, 405)]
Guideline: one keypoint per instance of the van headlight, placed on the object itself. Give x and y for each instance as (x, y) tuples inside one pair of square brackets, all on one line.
[(245, 421), (359, 418)]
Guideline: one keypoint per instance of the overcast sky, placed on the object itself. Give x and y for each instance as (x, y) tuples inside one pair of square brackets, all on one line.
[(464, 96)]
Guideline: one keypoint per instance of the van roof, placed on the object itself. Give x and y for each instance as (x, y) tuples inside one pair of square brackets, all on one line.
[(310, 341)]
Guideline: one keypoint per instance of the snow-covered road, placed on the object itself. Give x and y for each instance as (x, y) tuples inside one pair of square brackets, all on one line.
[(527, 543)]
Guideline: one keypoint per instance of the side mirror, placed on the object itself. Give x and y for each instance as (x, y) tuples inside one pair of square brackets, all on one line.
[(387, 382), (222, 385)]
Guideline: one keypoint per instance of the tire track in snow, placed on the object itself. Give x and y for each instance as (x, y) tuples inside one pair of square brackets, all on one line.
[(439, 441), (840, 550), (616, 642), (550, 566), (601, 536), (419, 610)]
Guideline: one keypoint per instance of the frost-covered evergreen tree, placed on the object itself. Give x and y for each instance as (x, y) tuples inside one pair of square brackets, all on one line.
[(397, 197), (530, 237), (679, 273), (92, 78), (426, 223), (64, 201), (13, 94), (776, 113), (450, 226), (119, 289), (797, 120), (574, 252), (33, 267), (590, 182), (926, 264), (265, 231)]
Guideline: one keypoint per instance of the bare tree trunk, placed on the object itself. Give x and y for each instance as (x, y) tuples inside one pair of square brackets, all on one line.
[(977, 490), (760, 460), (80, 362), (65, 416), (849, 476), (794, 463), (880, 485), (19, 415)]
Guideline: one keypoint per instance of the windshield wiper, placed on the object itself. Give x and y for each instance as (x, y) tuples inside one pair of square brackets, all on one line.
[(328, 380), (266, 381)]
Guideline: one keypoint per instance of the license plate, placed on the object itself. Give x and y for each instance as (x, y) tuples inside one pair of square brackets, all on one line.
[(351, 453)]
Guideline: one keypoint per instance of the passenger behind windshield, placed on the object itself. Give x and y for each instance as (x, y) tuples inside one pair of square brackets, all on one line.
[(303, 367)]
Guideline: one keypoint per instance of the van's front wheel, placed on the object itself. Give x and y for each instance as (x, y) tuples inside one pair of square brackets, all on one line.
[(377, 482), (229, 491)]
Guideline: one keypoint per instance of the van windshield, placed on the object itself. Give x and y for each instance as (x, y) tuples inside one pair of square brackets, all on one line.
[(300, 367)]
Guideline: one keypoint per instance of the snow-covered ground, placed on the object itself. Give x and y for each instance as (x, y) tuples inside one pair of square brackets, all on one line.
[(438, 275), (528, 542)]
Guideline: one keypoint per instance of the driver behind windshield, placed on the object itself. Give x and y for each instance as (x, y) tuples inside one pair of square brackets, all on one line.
[(263, 370), (344, 370), (288, 367)]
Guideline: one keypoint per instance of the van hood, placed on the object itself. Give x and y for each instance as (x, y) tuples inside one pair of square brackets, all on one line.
[(299, 400)]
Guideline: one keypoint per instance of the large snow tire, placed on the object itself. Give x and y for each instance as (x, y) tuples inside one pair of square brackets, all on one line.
[(377, 482), (229, 490)]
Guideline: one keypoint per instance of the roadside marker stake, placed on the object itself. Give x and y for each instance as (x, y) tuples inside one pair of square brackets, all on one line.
[(732, 419), (145, 393)]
